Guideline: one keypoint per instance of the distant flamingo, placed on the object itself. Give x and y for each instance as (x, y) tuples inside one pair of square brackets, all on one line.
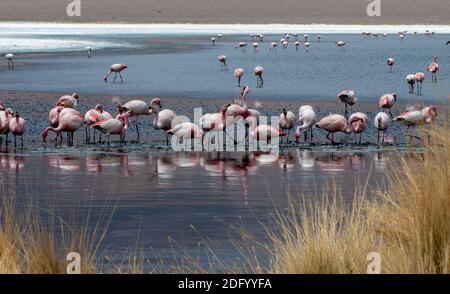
[(113, 126), (306, 118), (297, 44), (357, 123), (420, 77), (433, 68), (10, 59), (348, 97), (259, 70), (402, 36), (238, 73), (341, 45), (387, 101), (164, 119), (319, 37), (213, 40), (381, 123), (68, 101), (70, 121), (411, 80), (273, 46), (333, 123), (223, 62), (255, 47), (287, 122), (137, 108), (116, 69), (241, 45), (306, 37), (89, 51), (17, 127), (390, 62), (307, 46), (285, 44)]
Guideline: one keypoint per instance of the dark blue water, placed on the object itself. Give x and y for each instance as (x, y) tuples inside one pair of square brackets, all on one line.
[(188, 67)]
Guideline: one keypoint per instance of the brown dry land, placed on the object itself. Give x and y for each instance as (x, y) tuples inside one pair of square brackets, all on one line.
[(231, 11)]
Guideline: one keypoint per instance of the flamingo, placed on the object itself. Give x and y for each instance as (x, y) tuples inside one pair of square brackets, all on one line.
[(287, 122), (5, 116), (213, 40), (68, 101), (89, 51), (341, 44), (390, 62), (411, 119), (116, 68), (113, 126), (297, 43), (387, 101), (238, 73), (10, 59), (429, 114), (357, 123), (319, 37), (348, 97), (259, 70), (17, 127), (94, 116), (306, 37), (262, 132), (401, 35), (164, 119), (137, 108), (241, 45), (255, 47), (333, 123), (381, 123), (411, 80), (261, 37), (285, 44), (223, 62), (186, 131), (433, 68), (70, 121), (306, 118), (214, 121), (244, 92), (420, 77), (307, 46), (273, 46), (53, 116)]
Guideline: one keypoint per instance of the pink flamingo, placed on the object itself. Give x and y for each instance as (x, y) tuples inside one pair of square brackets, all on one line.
[(17, 127), (333, 123), (244, 92), (306, 118), (273, 46), (287, 122), (116, 68), (223, 62), (5, 116), (263, 132), (259, 70), (387, 101), (390, 62), (357, 123), (348, 97), (70, 121), (53, 117), (186, 131), (381, 123), (94, 116), (341, 44), (69, 101), (241, 45), (238, 73), (137, 108), (164, 119), (433, 68), (113, 126), (411, 80), (420, 77), (429, 114), (307, 46)]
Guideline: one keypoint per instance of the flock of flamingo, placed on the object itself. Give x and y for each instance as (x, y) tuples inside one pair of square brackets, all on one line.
[(64, 118)]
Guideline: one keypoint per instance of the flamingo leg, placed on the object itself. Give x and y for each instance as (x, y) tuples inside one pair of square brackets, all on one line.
[(115, 77), (15, 142), (21, 140), (120, 75), (137, 128)]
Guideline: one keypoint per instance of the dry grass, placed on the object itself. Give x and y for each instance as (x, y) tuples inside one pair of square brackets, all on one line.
[(407, 222)]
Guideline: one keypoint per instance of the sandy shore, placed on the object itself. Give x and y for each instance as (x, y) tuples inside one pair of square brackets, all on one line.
[(232, 11)]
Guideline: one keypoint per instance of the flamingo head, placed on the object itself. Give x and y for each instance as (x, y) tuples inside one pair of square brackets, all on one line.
[(284, 112), (75, 95), (156, 102), (297, 134), (99, 108), (8, 112)]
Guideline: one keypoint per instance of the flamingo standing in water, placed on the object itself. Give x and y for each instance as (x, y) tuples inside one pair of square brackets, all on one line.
[(213, 40), (263, 132), (53, 116), (390, 62), (429, 114), (241, 45), (89, 51), (238, 73), (387, 101), (186, 131), (420, 77), (433, 68), (68, 101), (223, 62), (5, 116), (113, 126), (259, 70), (287, 122), (17, 127), (273, 46), (117, 70), (10, 59), (411, 80), (164, 119), (137, 108), (357, 123), (94, 116), (244, 92), (255, 47), (341, 44), (348, 97), (70, 121), (381, 123), (333, 123), (297, 44), (306, 118), (319, 37)]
